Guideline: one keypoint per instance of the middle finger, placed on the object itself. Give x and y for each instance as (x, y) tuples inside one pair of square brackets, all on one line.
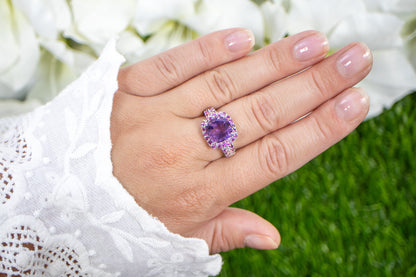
[(281, 103)]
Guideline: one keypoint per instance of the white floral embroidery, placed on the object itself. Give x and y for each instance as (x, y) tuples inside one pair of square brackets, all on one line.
[(62, 212), (13, 150), (29, 249)]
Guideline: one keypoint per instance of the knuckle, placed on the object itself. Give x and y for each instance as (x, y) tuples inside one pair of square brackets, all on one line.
[(191, 199), (207, 56), (166, 65), (320, 83), (217, 238), (263, 112), (275, 161), (197, 199), (221, 85), (321, 131), (160, 158), (219, 241), (274, 59)]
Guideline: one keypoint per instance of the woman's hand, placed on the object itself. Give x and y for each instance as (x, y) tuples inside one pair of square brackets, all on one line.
[(160, 155)]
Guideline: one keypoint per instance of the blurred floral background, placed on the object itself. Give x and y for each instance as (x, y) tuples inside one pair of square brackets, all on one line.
[(47, 43), (350, 211)]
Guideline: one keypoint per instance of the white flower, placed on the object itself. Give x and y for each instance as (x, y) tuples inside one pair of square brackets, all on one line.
[(162, 23), (168, 23), (12, 107), (345, 21), (275, 20), (212, 15), (322, 15), (47, 17), (171, 34), (97, 21), (48, 43), (56, 64), (151, 16), (130, 45), (392, 76), (56, 69), (403, 8), (19, 50)]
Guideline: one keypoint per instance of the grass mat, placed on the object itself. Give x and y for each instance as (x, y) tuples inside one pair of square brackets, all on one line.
[(349, 212)]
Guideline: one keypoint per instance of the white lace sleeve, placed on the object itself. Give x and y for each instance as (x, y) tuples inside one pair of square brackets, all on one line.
[(62, 211)]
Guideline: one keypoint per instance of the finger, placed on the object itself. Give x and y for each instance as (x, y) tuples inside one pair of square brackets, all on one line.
[(237, 228), (169, 69), (279, 104), (221, 85), (284, 151)]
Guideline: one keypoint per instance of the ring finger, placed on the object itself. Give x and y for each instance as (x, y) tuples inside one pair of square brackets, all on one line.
[(279, 104), (287, 149)]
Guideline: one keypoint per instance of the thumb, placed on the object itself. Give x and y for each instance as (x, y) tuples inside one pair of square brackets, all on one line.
[(237, 228)]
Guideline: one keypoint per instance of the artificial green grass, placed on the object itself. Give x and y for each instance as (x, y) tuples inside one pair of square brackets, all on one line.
[(349, 212)]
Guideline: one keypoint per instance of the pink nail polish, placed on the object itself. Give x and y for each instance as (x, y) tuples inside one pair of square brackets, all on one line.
[(239, 40), (354, 60), (350, 106), (260, 242), (312, 46)]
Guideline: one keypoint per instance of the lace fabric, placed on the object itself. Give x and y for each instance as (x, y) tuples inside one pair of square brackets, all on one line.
[(62, 211)]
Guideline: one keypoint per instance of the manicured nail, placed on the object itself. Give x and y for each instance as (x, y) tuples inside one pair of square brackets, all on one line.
[(350, 106), (239, 40), (354, 60), (260, 242), (312, 46)]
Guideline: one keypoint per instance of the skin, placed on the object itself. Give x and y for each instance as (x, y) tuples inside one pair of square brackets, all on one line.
[(161, 158)]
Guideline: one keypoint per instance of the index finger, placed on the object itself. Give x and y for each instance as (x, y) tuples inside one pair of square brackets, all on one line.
[(159, 73)]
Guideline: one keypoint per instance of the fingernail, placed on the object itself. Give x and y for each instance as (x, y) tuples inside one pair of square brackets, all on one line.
[(260, 242), (239, 40), (312, 46), (354, 60), (352, 105)]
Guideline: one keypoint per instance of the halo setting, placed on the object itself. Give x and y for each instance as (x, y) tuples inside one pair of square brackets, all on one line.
[(219, 131)]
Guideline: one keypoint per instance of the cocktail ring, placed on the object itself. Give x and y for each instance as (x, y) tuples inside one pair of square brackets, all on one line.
[(219, 131)]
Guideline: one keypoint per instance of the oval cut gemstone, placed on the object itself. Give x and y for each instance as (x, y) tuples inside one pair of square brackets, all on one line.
[(219, 129)]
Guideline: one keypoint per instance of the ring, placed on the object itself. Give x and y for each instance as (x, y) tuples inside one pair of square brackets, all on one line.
[(219, 131)]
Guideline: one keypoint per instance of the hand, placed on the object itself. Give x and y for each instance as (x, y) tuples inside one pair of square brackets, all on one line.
[(162, 159)]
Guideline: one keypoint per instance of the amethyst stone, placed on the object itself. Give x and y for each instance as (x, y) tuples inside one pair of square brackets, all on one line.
[(219, 129)]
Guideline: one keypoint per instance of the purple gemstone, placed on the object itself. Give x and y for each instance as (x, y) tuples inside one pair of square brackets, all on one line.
[(219, 129)]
